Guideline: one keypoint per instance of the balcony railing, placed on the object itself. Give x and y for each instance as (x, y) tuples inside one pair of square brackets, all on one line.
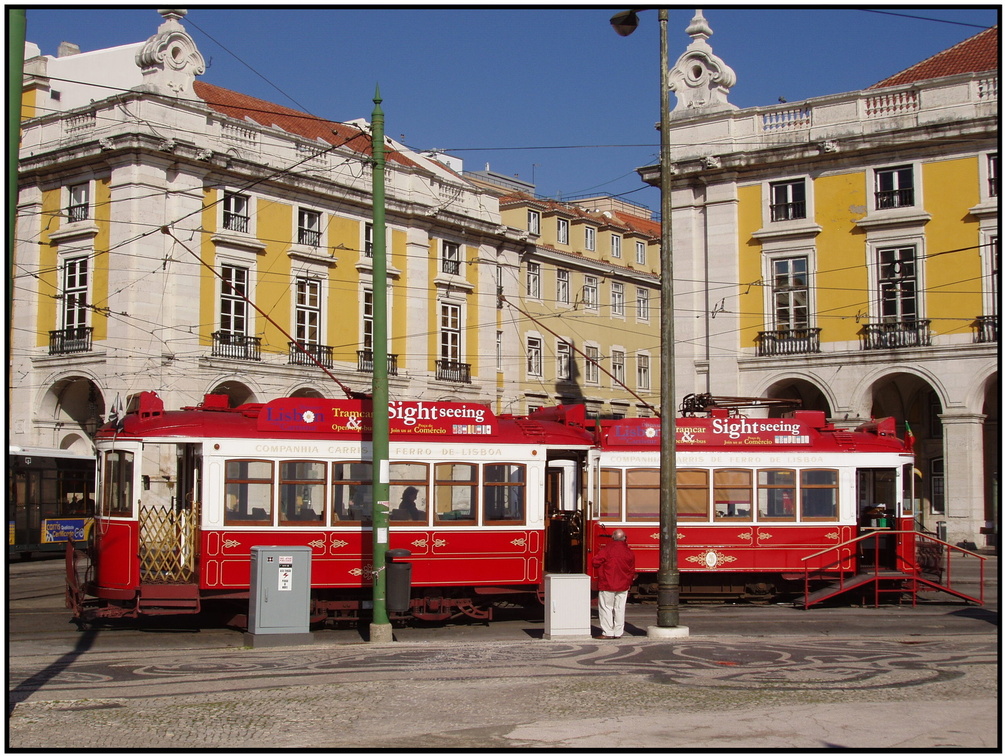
[(985, 329), (309, 238), (897, 335), (301, 354), (235, 222), (76, 213), (70, 340), (448, 370), (894, 198), (788, 211), (789, 341), (364, 362), (236, 346)]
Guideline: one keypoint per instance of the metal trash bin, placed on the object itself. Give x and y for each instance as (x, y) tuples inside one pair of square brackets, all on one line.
[(399, 580), (940, 530)]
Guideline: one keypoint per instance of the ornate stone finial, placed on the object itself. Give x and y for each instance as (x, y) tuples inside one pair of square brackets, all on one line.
[(170, 60), (700, 79)]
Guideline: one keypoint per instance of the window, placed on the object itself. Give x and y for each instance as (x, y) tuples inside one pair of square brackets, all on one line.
[(450, 332), (308, 314), (640, 253), (642, 494), (367, 240), (563, 231), (79, 200), (410, 489), (504, 494), (618, 299), (117, 497), (592, 364), (301, 492), (642, 367), (352, 493), (692, 494), (642, 304), (455, 491), (451, 259), (790, 293), (898, 286), (562, 286), (368, 320), (590, 237), (819, 494), (534, 280), (733, 494), (534, 222), (233, 306), (309, 228), (993, 175), (788, 200), (618, 367), (776, 494), (75, 294), (590, 297), (235, 212), (534, 356), (615, 246), (564, 367), (894, 187), (610, 494), (248, 492), (937, 477)]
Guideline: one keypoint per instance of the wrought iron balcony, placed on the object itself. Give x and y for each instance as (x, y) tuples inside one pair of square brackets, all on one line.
[(364, 362), (308, 237), (70, 340), (235, 222), (448, 370), (894, 198), (901, 334), (236, 346), (788, 341), (788, 211), (985, 329), (301, 353)]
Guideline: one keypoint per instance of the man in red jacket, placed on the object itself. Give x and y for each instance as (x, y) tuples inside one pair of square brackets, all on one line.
[(615, 565)]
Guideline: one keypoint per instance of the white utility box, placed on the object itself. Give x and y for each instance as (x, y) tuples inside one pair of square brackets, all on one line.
[(566, 606)]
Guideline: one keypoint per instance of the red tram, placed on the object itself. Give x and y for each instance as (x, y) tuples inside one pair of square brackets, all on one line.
[(486, 504)]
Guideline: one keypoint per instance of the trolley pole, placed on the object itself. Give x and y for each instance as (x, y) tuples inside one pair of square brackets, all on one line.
[(380, 627)]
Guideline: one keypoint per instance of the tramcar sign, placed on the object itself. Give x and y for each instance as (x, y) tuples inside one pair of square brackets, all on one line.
[(354, 416), (716, 431)]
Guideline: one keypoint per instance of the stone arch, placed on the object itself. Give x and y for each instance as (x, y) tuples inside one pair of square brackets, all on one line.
[(306, 392), (810, 394), (237, 392), (72, 406), (905, 376)]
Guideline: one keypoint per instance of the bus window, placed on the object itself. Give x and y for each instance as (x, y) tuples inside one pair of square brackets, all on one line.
[(610, 494), (819, 491), (118, 470), (504, 493), (733, 490), (352, 493), (776, 495), (455, 492), (692, 494), (643, 494), (248, 492), (409, 491), (301, 492)]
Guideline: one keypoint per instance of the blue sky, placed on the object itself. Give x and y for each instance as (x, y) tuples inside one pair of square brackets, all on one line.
[(551, 95)]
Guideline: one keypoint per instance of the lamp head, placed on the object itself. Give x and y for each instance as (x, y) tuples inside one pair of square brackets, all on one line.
[(625, 22)]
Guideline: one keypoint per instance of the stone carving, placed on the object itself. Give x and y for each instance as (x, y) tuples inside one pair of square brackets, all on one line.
[(170, 60), (700, 79)]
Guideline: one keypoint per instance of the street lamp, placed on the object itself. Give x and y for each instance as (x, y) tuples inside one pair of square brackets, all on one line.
[(668, 577)]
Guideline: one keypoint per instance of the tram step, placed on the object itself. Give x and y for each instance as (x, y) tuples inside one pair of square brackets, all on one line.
[(177, 598)]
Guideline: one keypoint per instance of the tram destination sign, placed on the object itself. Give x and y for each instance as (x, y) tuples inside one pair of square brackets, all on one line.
[(716, 431), (355, 416)]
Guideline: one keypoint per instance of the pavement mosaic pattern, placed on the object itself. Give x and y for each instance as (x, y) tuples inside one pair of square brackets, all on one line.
[(694, 693)]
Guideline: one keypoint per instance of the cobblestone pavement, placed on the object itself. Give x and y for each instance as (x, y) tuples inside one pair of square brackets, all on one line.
[(903, 692)]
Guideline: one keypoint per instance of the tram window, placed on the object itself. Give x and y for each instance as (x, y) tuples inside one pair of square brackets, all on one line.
[(610, 494), (118, 494), (352, 493), (248, 492), (733, 494), (819, 492), (504, 491), (776, 494), (409, 491), (642, 494), (301, 492), (692, 494), (455, 492)]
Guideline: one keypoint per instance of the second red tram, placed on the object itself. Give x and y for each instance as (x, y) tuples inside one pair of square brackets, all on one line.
[(485, 504)]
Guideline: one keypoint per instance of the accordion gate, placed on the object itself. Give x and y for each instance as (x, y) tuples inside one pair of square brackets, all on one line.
[(168, 544)]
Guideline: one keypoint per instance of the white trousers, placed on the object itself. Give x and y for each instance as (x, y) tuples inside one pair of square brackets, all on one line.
[(611, 610)]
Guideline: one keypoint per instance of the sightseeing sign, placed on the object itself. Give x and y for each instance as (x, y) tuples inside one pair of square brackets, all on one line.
[(355, 416), (714, 431)]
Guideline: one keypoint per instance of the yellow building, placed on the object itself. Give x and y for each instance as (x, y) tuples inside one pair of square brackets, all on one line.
[(843, 252)]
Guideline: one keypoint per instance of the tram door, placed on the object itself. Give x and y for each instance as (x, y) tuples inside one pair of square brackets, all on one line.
[(563, 518), (879, 508)]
